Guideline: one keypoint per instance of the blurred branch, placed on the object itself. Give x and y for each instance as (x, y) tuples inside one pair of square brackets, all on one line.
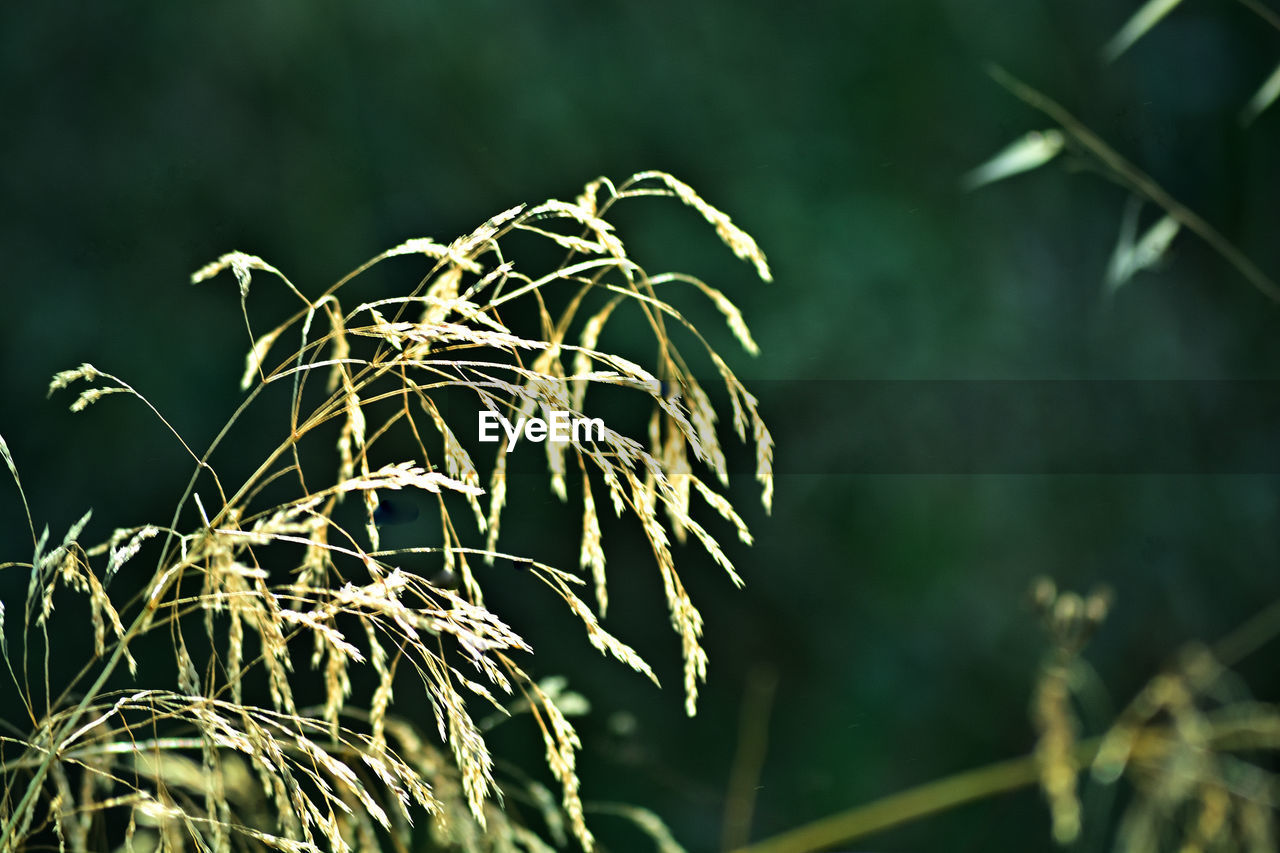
[(753, 739), (1136, 180), (914, 803), (1262, 12), (1247, 638)]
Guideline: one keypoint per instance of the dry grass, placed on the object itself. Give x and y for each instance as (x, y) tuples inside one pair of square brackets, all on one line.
[(1192, 744), (217, 752)]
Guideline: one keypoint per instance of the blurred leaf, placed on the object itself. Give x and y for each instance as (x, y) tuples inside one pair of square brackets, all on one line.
[(1136, 27), (1118, 271), (1153, 245), (1263, 98), (1130, 257), (1031, 151)]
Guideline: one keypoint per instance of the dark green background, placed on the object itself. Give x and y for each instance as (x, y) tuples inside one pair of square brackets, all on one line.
[(142, 140)]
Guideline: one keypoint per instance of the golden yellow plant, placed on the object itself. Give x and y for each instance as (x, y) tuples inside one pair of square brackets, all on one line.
[(217, 751)]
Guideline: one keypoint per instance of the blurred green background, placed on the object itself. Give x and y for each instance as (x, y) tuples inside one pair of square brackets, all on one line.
[(142, 140)]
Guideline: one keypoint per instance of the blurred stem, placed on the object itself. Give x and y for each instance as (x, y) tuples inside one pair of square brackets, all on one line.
[(1253, 634), (1253, 731), (1262, 12), (1136, 180), (753, 739), (914, 803)]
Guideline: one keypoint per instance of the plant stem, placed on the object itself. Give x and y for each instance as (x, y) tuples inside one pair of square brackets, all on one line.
[(913, 803), (1137, 180), (1005, 776), (1262, 12), (42, 770), (753, 738)]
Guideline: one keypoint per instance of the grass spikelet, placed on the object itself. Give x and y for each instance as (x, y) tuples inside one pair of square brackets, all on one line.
[(240, 264), (739, 241), (121, 554), (441, 296), (601, 639), (458, 463), (721, 505), (702, 416), (592, 554), (253, 361), (64, 378), (17, 481), (351, 439), (764, 454), (587, 341), (731, 312), (418, 246), (92, 395), (746, 405), (497, 498), (562, 743)]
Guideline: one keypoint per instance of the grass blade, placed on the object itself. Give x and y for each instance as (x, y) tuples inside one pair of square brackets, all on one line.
[(1263, 98), (1022, 155), (1136, 27), (1132, 257)]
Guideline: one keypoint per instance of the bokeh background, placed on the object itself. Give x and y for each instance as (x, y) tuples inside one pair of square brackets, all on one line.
[(142, 140)]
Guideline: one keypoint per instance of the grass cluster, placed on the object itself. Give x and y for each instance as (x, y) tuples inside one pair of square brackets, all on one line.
[(215, 745)]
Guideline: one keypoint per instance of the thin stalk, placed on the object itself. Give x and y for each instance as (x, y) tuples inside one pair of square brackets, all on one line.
[(1137, 180), (1005, 776), (1262, 12), (914, 803)]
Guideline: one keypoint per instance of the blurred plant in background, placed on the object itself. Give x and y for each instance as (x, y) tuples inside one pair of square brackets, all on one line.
[(1196, 750), (1133, 252)]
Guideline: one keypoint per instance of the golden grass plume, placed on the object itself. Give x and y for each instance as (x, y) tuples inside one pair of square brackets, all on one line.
[(219, 749)]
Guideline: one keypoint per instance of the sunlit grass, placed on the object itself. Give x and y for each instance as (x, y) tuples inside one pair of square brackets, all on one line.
[(214, 749)]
